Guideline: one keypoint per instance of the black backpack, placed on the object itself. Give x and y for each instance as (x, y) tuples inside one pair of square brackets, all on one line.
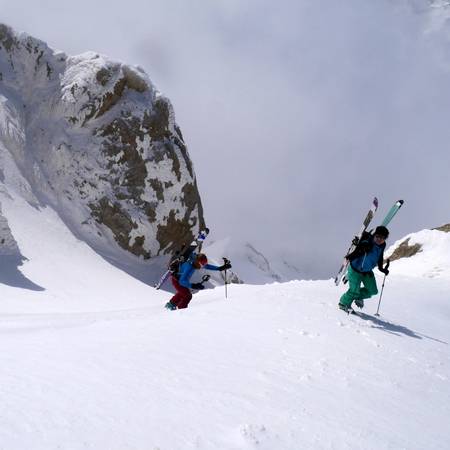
[(186, 253), (180, 257)]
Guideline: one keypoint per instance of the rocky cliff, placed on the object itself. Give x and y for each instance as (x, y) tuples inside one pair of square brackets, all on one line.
[(94, 139)]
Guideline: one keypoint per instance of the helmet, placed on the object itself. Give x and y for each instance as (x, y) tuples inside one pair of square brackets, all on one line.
[(382, 231), (202, 259)]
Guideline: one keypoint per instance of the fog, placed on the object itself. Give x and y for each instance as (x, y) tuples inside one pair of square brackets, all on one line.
[(295, 113)]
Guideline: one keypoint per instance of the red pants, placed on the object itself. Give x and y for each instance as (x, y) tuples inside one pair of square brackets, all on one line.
[(183, 295)]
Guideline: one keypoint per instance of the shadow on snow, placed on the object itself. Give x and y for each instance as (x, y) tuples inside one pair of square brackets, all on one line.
[(394, 328), (12, 276)]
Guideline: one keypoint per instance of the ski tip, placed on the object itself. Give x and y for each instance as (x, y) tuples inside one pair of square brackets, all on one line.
[(400, 202), (375, 201)]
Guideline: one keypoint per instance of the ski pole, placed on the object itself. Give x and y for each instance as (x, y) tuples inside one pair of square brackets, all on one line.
[(382, 287), (226, 294), (226, 261)]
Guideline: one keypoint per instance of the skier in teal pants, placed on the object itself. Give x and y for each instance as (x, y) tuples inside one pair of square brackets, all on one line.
[(368, 254)]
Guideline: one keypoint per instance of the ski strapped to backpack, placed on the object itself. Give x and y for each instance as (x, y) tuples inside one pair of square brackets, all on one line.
[(356, 239), (386, 221), (181, 256), (392, 212)]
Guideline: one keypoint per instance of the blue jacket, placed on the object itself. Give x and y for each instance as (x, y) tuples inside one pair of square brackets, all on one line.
[(367, 256), (187, 269)]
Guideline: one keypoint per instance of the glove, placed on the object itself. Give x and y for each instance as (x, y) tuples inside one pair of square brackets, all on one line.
[(385, 269), (225, 266), (198, 286)]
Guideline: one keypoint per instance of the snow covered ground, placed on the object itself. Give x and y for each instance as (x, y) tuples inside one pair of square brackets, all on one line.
[(91, 360)]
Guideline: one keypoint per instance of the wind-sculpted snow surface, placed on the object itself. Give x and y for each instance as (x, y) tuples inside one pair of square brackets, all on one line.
[(94, 138)]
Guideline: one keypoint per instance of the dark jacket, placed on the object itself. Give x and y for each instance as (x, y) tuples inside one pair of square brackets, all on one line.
[(367, 255)]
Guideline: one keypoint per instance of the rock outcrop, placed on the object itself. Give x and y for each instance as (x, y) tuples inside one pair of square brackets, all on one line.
[(97, 141)]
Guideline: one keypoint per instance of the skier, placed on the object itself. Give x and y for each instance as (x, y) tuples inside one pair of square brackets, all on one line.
[(181, 279), (368, 253)]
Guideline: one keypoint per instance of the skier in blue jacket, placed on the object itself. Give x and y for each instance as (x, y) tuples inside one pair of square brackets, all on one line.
[(368, 254), (181, 280)]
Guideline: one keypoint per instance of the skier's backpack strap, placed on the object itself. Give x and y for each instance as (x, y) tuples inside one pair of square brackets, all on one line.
[(174, 267)]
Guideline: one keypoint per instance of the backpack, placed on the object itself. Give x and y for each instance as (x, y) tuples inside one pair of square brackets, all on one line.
[(186, 254)]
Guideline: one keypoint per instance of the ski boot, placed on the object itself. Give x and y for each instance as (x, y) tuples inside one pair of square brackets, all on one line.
[(347, 309), (359, 302), (170, 306)]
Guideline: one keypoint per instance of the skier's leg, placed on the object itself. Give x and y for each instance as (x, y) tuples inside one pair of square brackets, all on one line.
[(354, 286), (186, 296), (370, 286), (180, 292)]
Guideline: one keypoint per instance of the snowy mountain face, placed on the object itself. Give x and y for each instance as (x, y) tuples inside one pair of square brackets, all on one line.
[(250, 265), (94, 139)]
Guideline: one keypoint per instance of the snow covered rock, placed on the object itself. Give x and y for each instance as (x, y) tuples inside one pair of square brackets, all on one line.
[(425, 253), (94, 139)]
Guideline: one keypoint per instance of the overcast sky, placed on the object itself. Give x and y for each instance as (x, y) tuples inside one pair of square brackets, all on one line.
[(296, 113)]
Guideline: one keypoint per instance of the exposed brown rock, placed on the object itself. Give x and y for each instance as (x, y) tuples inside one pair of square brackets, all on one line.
[(121, 135), (158, 188), (157, 122), (120, 223), (98, 107), (444, 228), (191, 199), (174, 233), (130, 80), (7, 39), (150, 212), (404, 250), (138, 247)]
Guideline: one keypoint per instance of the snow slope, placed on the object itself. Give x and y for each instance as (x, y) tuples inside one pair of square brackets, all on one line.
[(91, 360)]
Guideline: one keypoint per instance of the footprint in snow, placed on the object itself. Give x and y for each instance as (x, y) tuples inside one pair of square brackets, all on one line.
[(253, 433)]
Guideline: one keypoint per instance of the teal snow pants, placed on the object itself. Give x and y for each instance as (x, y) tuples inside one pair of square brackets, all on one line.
[(355, 290)]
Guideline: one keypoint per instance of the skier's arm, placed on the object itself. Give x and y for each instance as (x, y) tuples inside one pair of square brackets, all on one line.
[(211, 267), (224, 266), (382, 269), (380, 262)]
